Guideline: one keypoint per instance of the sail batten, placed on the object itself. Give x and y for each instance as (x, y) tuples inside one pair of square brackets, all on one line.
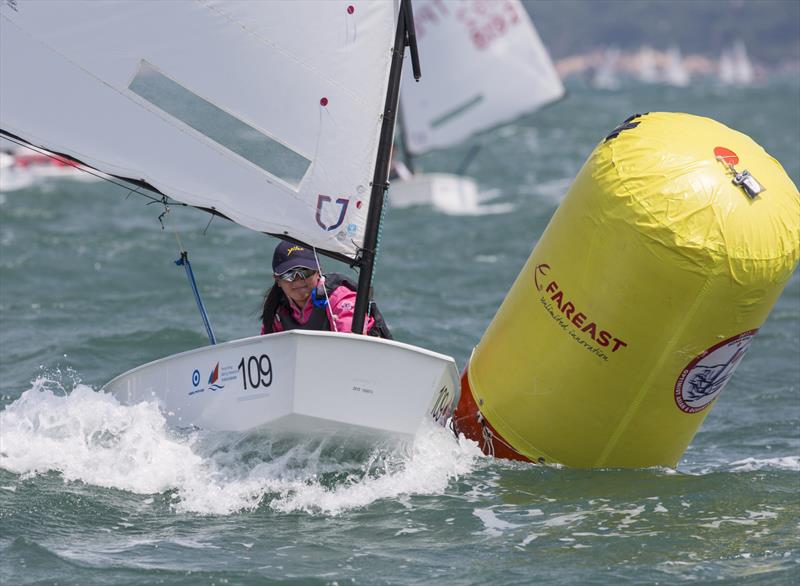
[(219, 105), (485, 65)]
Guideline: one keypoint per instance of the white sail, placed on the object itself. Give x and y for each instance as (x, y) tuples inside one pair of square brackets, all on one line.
[(646, 66), (734, 67), (605, 74), (267, 112), (725, 68), (483, 64), (674, 71), (743, 69)]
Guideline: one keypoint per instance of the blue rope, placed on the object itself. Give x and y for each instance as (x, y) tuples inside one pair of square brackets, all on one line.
[(184, 262)]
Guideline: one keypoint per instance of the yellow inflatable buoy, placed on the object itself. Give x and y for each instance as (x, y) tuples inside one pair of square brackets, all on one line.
[(639, 300)]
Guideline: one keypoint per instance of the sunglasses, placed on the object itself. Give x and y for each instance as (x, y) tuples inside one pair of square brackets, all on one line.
[(293, 274)]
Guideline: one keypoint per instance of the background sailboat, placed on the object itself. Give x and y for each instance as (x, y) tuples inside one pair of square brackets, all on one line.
[(484, 65), (605, 74), (646, 68), (734, 66), (22, 167), (223, 106), (675, 74)]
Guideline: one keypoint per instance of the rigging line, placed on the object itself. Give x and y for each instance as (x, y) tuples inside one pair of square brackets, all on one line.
[(181, 249), (325, 290), (211, 219)]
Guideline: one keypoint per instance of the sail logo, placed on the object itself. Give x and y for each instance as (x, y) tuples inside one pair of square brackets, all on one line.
[(213, 379), (704, 377), (487, 22), (326, 211)]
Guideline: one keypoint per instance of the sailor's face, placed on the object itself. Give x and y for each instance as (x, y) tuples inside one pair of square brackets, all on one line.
[(298, 290)]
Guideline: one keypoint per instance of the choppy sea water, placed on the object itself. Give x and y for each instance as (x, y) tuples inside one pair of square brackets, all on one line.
[(92, 492)]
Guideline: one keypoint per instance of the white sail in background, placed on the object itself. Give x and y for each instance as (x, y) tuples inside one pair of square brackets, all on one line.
[(734, 67), (483, 64), (725, 68), (743, 69), (674, 71), (605, 74), (218, 104), (647, 66)]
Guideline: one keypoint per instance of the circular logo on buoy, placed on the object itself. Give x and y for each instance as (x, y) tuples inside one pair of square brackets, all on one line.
[(542, 270), (727, 155), (705, 376)]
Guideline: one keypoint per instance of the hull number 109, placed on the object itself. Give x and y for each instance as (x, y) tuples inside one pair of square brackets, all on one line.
[(257, 371)]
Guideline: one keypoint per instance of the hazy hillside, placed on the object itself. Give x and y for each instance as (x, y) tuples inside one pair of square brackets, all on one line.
[(770, 28)]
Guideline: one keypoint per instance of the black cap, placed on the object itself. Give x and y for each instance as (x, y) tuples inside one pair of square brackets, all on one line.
[(289, 255)]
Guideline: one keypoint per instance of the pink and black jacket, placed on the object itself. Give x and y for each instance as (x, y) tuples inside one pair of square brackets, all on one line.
[(341, 297)]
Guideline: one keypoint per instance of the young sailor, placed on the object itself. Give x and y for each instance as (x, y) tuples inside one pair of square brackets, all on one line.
[(302, 298)]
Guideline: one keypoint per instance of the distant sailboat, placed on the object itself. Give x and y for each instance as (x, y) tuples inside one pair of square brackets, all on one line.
[(725, 68), (12, 177), (675, 73), (646, 66), (745, 74), (605, 75), (484, 65), (22, 167), (734, 66)]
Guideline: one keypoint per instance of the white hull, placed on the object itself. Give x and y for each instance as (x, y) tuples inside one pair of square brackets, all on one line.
[(441, 190), (299, 381), (26, 168), (12, 179)]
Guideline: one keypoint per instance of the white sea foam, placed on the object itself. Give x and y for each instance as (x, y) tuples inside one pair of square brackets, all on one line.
[(88, 436), (492, 524), (751, 464), (435, 458), (552, 191)]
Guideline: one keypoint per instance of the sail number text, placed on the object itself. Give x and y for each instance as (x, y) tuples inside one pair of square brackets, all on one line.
[(256, 370)]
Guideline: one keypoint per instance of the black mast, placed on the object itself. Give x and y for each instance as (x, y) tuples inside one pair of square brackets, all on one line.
[(404, 36)]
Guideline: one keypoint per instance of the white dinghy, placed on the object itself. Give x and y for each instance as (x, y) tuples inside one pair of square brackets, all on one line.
[(276, 115), (298, 381), (485, 65)]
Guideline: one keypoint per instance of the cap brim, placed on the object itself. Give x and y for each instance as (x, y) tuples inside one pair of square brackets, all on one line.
[(294, 264)]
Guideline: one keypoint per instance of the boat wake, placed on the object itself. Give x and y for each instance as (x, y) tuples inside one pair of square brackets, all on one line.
[(87, 436)]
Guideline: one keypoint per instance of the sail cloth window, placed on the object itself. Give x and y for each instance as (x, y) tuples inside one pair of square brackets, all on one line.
[(221, 127)]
